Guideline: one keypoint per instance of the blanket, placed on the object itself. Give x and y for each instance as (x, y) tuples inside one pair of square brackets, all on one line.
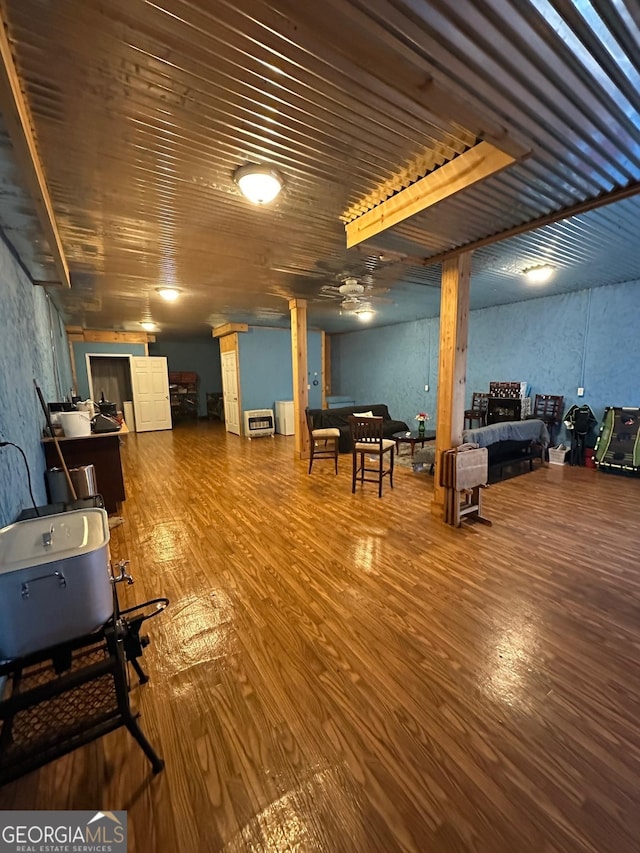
[(529, 430)]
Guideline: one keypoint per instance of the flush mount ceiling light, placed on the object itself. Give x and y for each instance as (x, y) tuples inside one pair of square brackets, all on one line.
[(169, 294), (539, 274), (260, 184), (148, 325)]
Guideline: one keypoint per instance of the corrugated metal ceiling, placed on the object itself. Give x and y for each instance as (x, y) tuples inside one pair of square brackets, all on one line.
[(143, 110)]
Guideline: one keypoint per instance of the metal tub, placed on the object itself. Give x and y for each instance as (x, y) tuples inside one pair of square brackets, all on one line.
[(54, 580)]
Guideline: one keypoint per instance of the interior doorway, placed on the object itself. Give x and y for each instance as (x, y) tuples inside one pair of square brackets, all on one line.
[(110, 375)]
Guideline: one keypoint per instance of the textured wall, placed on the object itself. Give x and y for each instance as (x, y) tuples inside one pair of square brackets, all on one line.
[(389, 365), (265, 367), (32, 346), (199, 354), (556, 343)]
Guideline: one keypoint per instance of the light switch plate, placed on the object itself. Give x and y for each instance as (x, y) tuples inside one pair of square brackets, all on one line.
[(426, 387), (580, 392)]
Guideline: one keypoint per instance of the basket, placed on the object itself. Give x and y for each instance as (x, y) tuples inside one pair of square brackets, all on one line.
[(557, 455)]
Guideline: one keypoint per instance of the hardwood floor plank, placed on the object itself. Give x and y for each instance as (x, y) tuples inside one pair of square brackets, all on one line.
[(344, 673)]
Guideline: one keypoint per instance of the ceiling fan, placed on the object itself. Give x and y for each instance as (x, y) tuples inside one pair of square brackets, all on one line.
[(356, 295)]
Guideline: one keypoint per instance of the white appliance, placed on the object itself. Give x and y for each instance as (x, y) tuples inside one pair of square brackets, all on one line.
[(55, 582), (284, 417), (258, 422)]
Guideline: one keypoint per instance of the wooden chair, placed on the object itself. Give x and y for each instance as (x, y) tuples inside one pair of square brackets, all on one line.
[(366, 434), (478, 410), (323, 442), (548, 408)]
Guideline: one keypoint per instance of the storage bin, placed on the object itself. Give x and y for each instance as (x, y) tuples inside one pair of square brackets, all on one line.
[(54, 580), (84, 482), (75, 424), (558, 455)]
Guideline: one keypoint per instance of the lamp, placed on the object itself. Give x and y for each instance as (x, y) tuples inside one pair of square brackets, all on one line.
[(539, 274), (148, 325), (260, 184), (169, 294)]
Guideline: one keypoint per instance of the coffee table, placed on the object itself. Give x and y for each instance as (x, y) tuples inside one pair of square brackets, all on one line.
[(412, 438)]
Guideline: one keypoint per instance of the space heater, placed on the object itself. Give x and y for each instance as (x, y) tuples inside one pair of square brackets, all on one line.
[(258, 422)]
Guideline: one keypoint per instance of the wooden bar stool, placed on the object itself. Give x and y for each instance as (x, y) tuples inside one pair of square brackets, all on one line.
[(323, 442)]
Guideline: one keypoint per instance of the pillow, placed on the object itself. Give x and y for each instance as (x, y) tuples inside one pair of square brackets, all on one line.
[(363, 415)]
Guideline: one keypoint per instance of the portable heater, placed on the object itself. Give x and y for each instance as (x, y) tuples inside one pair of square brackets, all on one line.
[(258, 422)]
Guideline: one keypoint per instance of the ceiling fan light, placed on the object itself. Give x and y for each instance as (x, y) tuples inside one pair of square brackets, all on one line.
[(148, 325), (260, 184), (365, 313), (539, 274)]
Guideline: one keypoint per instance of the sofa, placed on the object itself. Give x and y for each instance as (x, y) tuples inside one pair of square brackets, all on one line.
[(509, 442), (322, 418)]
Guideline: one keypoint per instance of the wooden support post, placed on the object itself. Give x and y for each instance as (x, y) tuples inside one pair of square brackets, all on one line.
[(299, 362), (326, 366), (452, 364)]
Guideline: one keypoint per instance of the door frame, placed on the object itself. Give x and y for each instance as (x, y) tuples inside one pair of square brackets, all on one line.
[(126, 355), (234, 351), (90, 355)]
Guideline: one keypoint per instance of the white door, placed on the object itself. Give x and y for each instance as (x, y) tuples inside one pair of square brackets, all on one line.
[(150, 380), (230, 392)]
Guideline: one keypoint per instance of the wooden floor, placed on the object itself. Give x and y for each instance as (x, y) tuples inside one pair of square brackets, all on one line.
[(344, 673)]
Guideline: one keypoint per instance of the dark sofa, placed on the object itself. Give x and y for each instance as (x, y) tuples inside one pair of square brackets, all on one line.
[(509, 442), (323, 418)]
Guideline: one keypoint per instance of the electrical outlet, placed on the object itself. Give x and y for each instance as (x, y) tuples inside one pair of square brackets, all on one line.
[(426, 387), (580, 392)]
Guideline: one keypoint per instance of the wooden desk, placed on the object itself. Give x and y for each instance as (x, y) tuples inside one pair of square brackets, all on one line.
[(100, 449)]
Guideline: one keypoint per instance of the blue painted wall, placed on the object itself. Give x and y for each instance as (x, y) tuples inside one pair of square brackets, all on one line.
[(81, 350), (265, 367), (33, 345), (391, 365), (557, 343), (201, 355)]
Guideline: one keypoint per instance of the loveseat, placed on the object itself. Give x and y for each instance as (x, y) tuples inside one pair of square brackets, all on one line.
[(339, 418)]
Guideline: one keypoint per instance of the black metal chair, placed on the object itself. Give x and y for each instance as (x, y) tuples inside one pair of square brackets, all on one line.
[(367, 438)]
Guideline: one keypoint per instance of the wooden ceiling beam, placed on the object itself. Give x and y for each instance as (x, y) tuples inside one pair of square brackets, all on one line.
[(474, 165), (533, 224), (96, 336), (17, 121), (229, 329)]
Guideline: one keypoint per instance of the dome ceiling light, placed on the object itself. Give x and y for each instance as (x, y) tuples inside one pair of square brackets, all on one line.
[(260, 184), (148, 325), (169, 294), (539, 274)]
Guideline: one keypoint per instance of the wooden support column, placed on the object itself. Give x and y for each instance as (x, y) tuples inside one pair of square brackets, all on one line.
[(299, 363), (452, 363), (325, 356)]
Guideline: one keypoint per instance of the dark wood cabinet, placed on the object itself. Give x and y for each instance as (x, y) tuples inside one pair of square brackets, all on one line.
[(102, 450)]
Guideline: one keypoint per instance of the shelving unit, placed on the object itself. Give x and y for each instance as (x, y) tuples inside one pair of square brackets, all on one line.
[(183, 391)]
